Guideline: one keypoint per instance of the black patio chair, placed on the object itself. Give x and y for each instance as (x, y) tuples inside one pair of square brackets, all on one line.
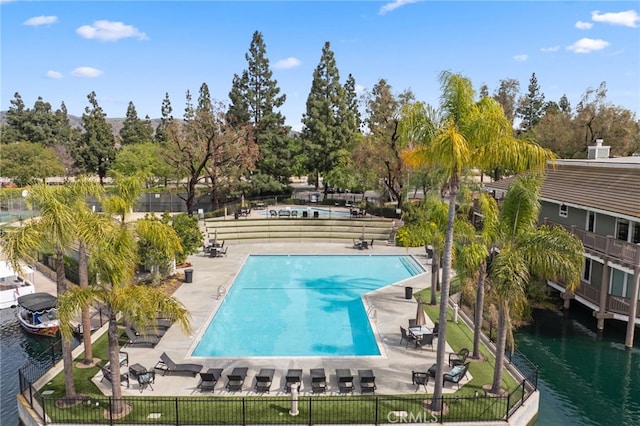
[(134, 339), (345, 380), (235, 380), (209, 379), (367, 381), (264, 378), (146, 379), (106, 374), (404, 335), (293, 378), (456, 374), (424, 340), (419, 378), (167, 365), (458, 358), (318, 380)]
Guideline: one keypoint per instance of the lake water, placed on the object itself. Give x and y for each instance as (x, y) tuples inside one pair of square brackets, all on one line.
[(585, 378)]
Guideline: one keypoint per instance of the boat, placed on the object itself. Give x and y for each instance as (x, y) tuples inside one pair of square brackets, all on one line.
[(13, 285), (37, 314)]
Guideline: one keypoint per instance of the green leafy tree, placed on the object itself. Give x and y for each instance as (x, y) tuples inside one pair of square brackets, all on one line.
[(188, 231), (26, 163), (470, 134), (147, 158), (525, 251), (325, 132), (531, 106), (95, 151), (255, 102), (134, 130)]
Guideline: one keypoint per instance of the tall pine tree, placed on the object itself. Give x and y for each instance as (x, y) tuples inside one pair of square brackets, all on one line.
[(95, 150), (531, 105), (134, 130), (255, 100), (326, 126)]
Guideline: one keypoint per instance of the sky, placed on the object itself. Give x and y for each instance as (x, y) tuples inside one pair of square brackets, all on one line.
[(139, 50)]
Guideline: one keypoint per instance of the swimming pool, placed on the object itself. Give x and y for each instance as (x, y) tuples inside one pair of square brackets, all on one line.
[(301, 306), (324, 213)]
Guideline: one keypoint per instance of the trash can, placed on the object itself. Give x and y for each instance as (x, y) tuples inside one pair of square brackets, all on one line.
[(408, 292), (236, 215), (188, 275)]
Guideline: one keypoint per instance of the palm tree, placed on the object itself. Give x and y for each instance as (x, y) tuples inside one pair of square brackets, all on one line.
[(114, 262), (526, 250), (473, 256), (89, 225), (54, 230), (468, 135)]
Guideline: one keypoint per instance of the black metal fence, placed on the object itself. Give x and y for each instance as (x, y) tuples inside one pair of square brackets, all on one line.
[(279, 410)]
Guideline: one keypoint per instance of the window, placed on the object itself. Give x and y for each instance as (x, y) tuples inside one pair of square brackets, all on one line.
[(622, 229), (591, 221), (564, 210), (635, 235), (586, 272)]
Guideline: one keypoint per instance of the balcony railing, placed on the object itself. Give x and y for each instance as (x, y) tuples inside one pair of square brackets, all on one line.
[(623, 252)]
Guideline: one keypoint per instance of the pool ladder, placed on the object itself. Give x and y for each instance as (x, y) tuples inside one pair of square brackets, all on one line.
[(372, 313), (221, 292)]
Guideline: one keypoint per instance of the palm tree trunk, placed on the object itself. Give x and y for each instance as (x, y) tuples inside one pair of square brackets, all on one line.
[(436, 403), (114, 363), (435, 275), (67, 357), (500, 347), (83, 277), (477, 320)]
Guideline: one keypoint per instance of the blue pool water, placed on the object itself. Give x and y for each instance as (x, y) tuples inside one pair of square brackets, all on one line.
[(301, 306), (324, 213)]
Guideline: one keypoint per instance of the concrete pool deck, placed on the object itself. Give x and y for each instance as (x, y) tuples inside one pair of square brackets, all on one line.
[(392, 368)]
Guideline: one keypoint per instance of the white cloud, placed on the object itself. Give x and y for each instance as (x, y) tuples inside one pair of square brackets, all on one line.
[(41, 20), (581, 25), (550, 49), (628, 18), (290, 62), (360, 88), (389, 7), (54, 75), (588, 45), (521, 58), (86, 72), (110, 31)]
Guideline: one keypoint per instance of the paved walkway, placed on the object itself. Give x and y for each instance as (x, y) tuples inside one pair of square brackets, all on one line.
[(392, 369)]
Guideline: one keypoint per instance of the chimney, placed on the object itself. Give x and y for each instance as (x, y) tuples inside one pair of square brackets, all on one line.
[(598, 151)]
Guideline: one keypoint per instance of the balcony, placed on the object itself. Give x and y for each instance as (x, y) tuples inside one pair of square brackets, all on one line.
[(618, 251)]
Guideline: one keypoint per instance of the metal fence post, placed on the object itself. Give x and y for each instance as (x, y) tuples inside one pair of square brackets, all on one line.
[(508, 405), (244, 421), (377, 406), (44, 411), (310, 412), (111, 410), (177, 414)]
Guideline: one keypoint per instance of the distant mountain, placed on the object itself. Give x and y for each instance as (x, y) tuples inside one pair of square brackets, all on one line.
[(116, 123)]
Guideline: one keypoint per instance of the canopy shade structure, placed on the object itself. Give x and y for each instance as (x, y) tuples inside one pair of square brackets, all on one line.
[(38, 302)]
